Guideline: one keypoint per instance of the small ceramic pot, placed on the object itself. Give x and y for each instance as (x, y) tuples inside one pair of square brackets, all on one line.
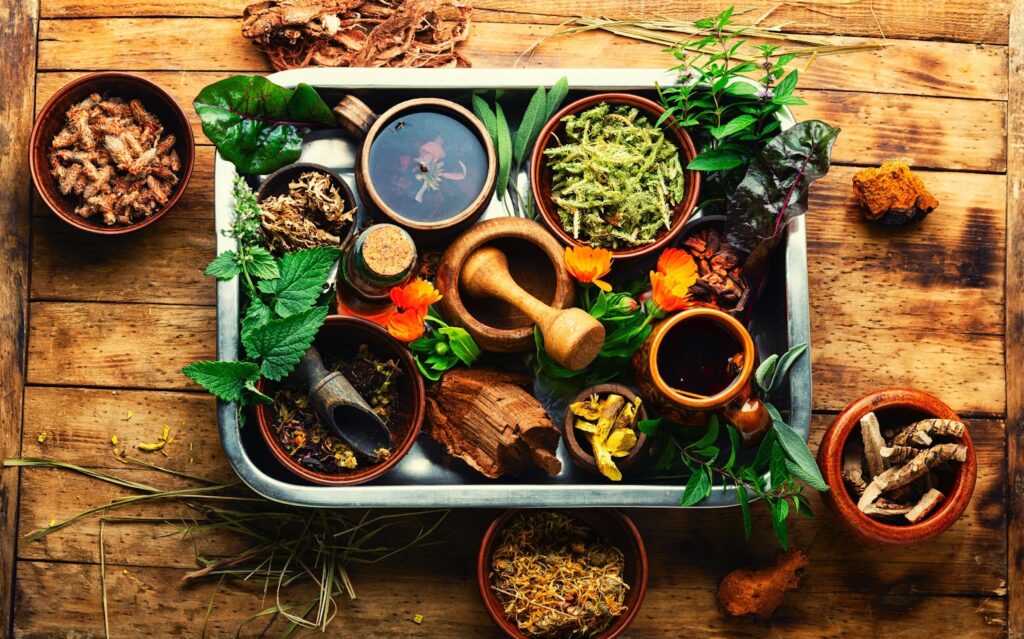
[(575, 442), (278, 181), (894, 407), (611, 525), (540, 173), (737, 402), (360, 121), (343, 336), (51, 120)]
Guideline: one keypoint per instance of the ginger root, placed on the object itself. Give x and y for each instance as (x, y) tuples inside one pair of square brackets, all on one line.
[(892, 195), (759, 591)]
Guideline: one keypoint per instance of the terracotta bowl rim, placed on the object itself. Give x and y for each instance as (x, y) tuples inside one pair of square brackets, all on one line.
[(183, 129), (356, 477), (580, 456), (637, 555), (475, 208), (347, 194), (679, 137), (830, 454)]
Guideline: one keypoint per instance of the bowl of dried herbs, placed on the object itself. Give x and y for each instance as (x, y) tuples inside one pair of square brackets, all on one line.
[(305, 205), (609, 171), (568, 574), (380, 368)]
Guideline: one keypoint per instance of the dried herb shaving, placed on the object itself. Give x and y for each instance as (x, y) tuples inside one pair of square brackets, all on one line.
[(311, 213), (615, 178)]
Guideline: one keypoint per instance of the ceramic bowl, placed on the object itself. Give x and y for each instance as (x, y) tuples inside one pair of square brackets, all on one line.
[(342, 336), (611, 525), (894, 407), (51, 120), (580, 450), (540, 174), (278, 181)]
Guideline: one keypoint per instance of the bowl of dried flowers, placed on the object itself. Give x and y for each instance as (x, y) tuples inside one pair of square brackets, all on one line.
[(305, 205), (900, 466), (381, 370), (606, 172), (566, 574), (111, 153)]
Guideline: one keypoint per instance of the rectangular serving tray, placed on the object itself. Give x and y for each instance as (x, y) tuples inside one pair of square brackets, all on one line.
[(427, 476)]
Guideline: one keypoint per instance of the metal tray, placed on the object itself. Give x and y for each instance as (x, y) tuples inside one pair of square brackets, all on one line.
[(427, 476)]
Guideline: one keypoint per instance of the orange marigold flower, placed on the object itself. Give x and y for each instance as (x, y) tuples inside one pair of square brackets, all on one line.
[(407, 326), (589, 265), (416, 295), (678, 263), (670, 284)]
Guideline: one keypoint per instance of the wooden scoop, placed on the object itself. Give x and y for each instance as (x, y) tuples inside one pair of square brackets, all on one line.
[(341, 409), (571, 336)]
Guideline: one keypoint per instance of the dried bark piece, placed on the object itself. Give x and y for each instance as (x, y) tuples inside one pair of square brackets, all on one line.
[(853, 468), (925, 505), (759, 591), (886, 508), (871, 433), (489, 420), (335, 33), (899, 476), (720, 280), (892, 195), (921, 432)]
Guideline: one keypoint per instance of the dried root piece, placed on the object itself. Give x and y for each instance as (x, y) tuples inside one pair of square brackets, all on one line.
[(853, 469), (899, 454), (925, 505), (921, 432), (311, 213), (759, 592), (873, 443), (368, 33), (892, 195), (899, 476), (720, 281)]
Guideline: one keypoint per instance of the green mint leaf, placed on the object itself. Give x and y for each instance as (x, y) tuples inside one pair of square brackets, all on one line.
[(763, 374), (427, 371), (280, 343), (556, 95), (649, 427), (764, 452), (780, 511), (733, 126), (789, 100), (262, 264), (741, 496), (257, 315), (709, 436), (303, 274), (504, 151), (741, 89), (528, 130), (224, 380), (785, 363), (715, 160), (797, 451), (697, 488), (224, 266), (786, 86), (664, 461), (483, 111), (255, 395), (461, 343), (777, 466), (734, 445), (802, 505)]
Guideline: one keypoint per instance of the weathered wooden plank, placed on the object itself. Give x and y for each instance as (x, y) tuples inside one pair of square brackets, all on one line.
[(955, 20), (146, 599), (18, 33), (118, 345), (1015, 324)]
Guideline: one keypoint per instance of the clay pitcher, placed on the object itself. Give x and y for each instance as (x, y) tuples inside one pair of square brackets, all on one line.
[(736, 402)]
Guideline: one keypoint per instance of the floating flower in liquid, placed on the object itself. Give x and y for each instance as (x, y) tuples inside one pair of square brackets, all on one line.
[(430, 167)]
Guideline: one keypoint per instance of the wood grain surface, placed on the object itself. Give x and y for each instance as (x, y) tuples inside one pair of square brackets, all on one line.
[(112, 320)]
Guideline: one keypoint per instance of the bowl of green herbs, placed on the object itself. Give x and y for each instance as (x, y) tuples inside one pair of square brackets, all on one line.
[(609, 171)]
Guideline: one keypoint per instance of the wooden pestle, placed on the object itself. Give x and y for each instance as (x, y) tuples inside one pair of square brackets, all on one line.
[(572, 337)]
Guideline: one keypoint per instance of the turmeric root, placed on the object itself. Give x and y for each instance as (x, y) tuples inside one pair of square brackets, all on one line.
[(759, 592)]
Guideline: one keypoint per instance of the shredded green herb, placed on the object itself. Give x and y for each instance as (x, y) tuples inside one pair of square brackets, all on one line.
[(615, 178)]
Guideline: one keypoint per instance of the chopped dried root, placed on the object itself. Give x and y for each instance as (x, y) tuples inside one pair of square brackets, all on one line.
[(921, 432), (925, 505), (873, 443), (916, 468)]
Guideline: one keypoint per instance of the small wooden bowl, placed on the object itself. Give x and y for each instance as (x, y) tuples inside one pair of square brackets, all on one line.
[(278, 181), (51, 120), (540, 173), (537, 263), (611, 525), (580, 450), (894, 406), (342, 335)]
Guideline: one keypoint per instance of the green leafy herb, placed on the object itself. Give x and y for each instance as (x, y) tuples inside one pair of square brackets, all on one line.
[(443, 349), (301, 281), (280, 343), (225, 380), (504, 151), (257, 125)]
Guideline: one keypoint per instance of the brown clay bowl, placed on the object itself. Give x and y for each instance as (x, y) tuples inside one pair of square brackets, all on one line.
[(893, 407), (536, 262), (51, 119), (540, 174), (341, 336), (278, 181), (580, 450), (611, 525)]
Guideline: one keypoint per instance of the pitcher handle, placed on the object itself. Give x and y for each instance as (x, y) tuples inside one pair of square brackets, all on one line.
[(354, 116)]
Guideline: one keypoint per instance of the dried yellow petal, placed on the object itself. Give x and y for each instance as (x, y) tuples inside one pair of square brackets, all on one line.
[(129, 416), (114, 440), (42, 437), (53, 522), (417, 619), (620, 442)]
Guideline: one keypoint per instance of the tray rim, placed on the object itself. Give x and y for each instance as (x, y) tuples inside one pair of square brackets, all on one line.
[(525, 495)]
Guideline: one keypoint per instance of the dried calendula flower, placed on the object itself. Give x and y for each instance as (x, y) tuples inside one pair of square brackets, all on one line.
[(158, 445), (609, 422), (42, 437), (417, 619), (114, 440)]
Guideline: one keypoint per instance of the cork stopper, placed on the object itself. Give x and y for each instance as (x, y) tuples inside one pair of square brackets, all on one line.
[(387, 252)]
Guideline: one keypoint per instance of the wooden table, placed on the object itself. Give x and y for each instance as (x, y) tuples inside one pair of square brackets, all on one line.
[(94, 328)]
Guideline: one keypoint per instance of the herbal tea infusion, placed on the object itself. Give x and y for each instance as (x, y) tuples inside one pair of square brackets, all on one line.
[(427, 166)]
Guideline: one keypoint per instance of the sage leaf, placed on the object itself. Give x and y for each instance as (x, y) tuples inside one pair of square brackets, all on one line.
[(763, 374), (697, 488), (556, 95), (257, 125), (303, 275), (504, 150), (528, 126), (280, 343), (224, 380), (224, 267), (483, 111), (804, 467), (785, 363)]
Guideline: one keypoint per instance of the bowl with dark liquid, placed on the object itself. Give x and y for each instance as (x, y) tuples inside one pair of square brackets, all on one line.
[(699, 362), (428, 165)]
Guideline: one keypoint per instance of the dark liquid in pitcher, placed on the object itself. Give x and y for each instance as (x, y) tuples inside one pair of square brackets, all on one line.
[(694, 357), (427, 166)]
